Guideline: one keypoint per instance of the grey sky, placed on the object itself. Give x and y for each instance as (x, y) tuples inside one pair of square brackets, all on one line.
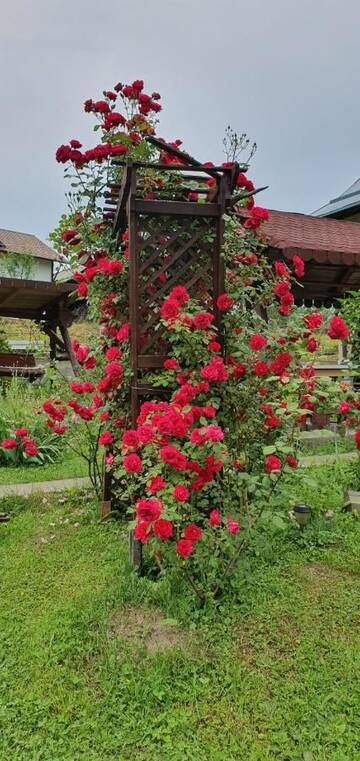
[(284, 71)]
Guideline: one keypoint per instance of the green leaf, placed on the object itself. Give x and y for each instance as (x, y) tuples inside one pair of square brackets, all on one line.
[(169, 622), (278, 522)]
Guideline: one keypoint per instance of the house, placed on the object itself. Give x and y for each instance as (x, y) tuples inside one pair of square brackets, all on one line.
[(26, 257), (346, 206), (28, 290)]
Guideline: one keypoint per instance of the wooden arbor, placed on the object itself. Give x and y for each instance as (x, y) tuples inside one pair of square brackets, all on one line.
[(173, 240)]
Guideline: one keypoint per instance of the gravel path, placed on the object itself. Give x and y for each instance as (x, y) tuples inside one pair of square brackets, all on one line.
[(8, 490)]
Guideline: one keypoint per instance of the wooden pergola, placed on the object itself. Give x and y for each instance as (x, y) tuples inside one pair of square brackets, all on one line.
[(330, 249), (45, 303)]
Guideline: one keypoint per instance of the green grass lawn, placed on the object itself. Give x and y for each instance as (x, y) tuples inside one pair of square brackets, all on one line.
[(70, 467), (98, 664)]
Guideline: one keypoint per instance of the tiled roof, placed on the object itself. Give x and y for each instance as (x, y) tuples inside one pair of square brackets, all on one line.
[(313, 238), (349, 199), (23, 243)]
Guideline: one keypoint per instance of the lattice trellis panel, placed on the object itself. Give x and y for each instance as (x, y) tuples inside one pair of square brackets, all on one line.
[(170, 251)]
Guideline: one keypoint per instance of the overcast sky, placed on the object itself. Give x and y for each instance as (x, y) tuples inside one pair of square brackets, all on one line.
[(284, 71)]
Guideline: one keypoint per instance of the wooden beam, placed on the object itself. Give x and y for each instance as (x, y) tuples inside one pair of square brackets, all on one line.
[(177, 208), (123, 196)]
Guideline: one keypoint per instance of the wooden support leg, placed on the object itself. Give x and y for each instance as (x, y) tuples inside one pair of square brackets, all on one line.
[(67, 341), (52, 348), (105, 505), (135, 552)]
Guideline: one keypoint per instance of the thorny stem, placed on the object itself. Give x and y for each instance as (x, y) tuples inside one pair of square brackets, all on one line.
[(231, 564)]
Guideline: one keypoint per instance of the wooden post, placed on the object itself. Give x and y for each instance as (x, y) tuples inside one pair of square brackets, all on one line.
[(105, 504), (135, 547), (68, 345)]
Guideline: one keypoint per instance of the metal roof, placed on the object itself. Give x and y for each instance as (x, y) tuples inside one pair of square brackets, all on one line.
[(349, 199), (25, 243)]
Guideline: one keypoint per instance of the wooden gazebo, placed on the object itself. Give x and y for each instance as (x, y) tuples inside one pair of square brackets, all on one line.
[(47, 304), (330, 249)]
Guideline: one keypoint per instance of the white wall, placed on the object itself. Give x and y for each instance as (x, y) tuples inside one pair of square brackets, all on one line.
[(41, 270)]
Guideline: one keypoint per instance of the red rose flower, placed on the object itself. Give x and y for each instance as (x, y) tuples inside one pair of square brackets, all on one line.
[(233, 526), (130, 439), (106, 438), (313, 321), (171, 364), (171, 456), (272, 463), (169, 309), (203, 320), (9, 444), (291, 461), (239, 370), (215, 518), (344, 408), (192, 532), (299, 266), (179, 294), (181, 493), (163, 529), (148, 510), (338, 328), (257, 342), (184, 548), (59, 429), (281, 363), (224, 302), (312, 344), (281, 269), (132, 463), (261, 369), (272, 421), (112, 353), (123, 333), (141, 532), (214, 346), (215, 371), (21, 432), (256, 217), (30, 447), (156, 484)]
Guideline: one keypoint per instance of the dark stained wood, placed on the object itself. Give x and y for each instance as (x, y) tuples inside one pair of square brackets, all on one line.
[(151, 360), (246, 194), (18, 363), (68, 345), (171, 242), (176, 208), (120, 213), (176, 168)]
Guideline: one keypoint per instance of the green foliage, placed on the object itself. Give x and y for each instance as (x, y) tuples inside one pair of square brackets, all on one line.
[(17, 265), (4, 344), (350, 309)]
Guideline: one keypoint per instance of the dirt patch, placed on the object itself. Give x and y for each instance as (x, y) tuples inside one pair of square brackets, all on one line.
[(148, 629), (279, 642), (320, 578)]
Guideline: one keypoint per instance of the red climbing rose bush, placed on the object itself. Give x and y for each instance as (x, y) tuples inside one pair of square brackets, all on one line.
[(204, 463)]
